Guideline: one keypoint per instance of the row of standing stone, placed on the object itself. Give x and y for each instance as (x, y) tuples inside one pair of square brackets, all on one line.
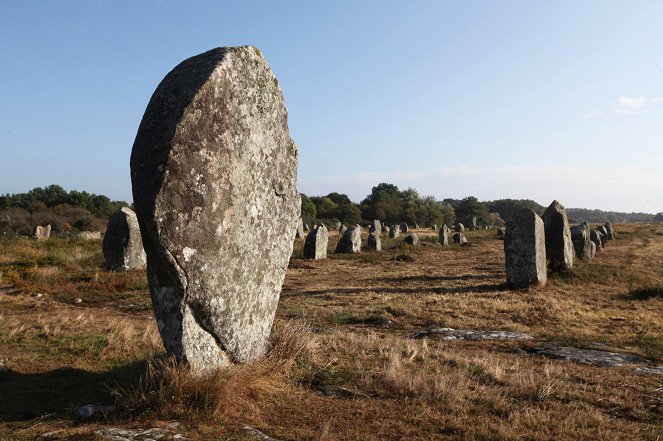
[(534, 244)]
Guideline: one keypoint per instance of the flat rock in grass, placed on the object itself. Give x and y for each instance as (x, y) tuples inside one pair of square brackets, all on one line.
[(591, 357), (214, 178), (123, 246), (351, 241), (655, 370), (315, 246), (559, 246), (257, 434), (93, 411), (463, 334), (118, 434)]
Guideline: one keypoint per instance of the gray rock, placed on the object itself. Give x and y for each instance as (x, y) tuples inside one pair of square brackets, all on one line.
[(411, 239), (604, 232), (306, 228), (500, 233), (299, 232), (592, 249), (351, 240), (375, 226), (373, 242), (656, 370), (587, 356), (42, 233), (93, 411), (386, 229), (404, 227), (559, 246), (474, 222), (315, 246), (123, 246), (444, 235), (117, 434), (580, 234), (459, 228), (610, 232), (463, 334), (214, 177), (459, 238), (342, 229), (257, 434), (416, 226), (394, 231), (597, 238), (525, 250), (433, 227)]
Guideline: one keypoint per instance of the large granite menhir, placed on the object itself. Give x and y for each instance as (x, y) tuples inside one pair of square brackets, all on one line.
[(559, 246), (315, 246), (123, 246), (350, 242), (525, 250), (214, 174)]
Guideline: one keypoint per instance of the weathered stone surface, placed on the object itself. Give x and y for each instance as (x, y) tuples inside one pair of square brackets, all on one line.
[(459, 228), (459, 238), (444, 235), (394, 231), (123, 246), (315, 246), (592, 249), (596, 237), (404, 227), (93, 411), (42, 233), (306, 228), (474, 222), (610, 232), (373, 242), (416, 226), (351, 240), (525, 250), (299, 232), (463, 334), (411, 239), (559, 246), (385, 229), (587, 356), (342, 229), (580, 235), (214, 174), (375, 226)]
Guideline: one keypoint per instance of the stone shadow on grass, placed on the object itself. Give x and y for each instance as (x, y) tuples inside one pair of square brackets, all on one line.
[(485, 288), (59, 392)]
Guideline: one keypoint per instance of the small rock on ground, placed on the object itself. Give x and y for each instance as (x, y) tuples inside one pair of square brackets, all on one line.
[(257, 434), (587, 356), (156, 433), (93, 411), (463, 334)]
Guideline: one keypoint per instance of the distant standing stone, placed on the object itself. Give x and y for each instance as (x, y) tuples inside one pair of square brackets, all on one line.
[(123, 246), (433, 227), (474, 222), (596, 237), (525, 250), (394, 231), (342, 229), (42, 233), (385, 229), (610, 231), (444, 235), (351, 240), (459, 238), (299, 233), (500, 233), (592, 249), (580, 234), (373, 242), (306, 228), (375, 226), (603, 230), (214, 177), (459, 228), (315, 246), (404, 227), (559, 246), (411, 239)]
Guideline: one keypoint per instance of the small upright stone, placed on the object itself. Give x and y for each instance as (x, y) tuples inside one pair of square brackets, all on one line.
[(214, 177), (404, 227), (444, 235), (416, 226), (609, 230), (433, 227), (580, 234), (559, 245), (373, 242), (459, 238), (306, 228), (42, 233), (375, 226), (299, 232), (525, 250), (474, 223), (342, 229), (351, 240), (597, 238), (459, 228), (411, 239), (385, 229), (315, 246), (394, 231), (123, 246)]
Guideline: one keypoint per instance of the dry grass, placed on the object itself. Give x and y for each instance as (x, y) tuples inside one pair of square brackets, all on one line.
[(343, 364)]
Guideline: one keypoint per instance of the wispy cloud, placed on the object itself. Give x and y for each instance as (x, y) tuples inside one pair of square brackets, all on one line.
[(625, 104), (592, 114)]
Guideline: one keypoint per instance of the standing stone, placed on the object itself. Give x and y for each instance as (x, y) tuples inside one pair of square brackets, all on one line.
[(459, 228), (214, 177), (306, 228), (609, 230), (42, 233), (459, 238), (123, 246), (404, 227), (580, 235), (500, 232), (375, 226), (474, 222), (595, 237), (351, 240), (394, 231), (411, 239), (592, 249), (416, 226), (444, 235), (299, 232), (385, 229), (525, 250), (559, 245), (373, 242), (342, 229), (433, 227), (315, 246)]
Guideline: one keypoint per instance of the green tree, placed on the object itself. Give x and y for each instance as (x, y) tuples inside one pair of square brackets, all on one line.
[(309, 210), (470, 207)]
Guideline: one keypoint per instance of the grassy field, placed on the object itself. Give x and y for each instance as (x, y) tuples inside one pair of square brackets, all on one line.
[(343, 363)]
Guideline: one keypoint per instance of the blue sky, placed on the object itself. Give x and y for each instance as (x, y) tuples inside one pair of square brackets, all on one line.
[(521, 99)]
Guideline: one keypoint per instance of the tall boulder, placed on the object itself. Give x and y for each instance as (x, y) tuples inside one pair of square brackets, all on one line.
[(342, 229), (580, 234), (42, 233), (375, 226), (394, 231), (459, 228), (610, 231), (404, 227), (525, 250), (315, 246), (373, 242), (299, 232), (214, 177), (559, 245), (444, 235), (123, 246), (351, 241), (597, 238)]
